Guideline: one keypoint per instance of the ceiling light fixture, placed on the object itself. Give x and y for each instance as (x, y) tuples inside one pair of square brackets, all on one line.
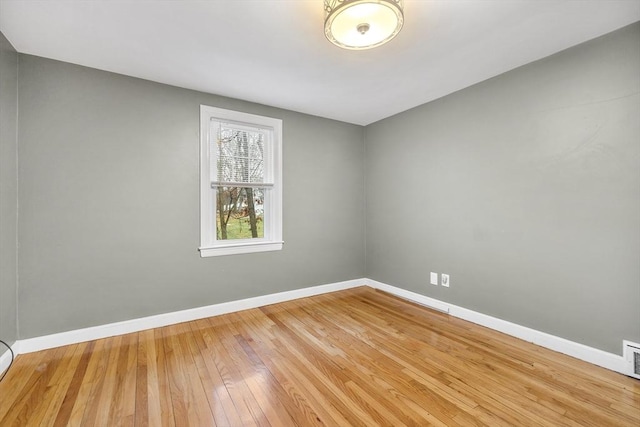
[(362, 24)]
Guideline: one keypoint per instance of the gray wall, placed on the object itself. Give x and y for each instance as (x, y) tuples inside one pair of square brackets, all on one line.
[(525, 189), (109, 201), (8, 191)]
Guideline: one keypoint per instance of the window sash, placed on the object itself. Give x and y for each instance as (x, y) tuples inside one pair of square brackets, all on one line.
[(267, 155), (267, 212)]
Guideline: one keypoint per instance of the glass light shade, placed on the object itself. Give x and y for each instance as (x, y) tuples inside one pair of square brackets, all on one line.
[(362, 24)]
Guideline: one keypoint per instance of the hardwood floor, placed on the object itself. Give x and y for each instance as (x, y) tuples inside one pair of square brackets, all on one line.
[(358, 357)]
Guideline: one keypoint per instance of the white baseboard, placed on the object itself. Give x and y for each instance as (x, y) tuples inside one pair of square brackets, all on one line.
[(592, 355), (411, 296), (5, 358), (112, 329)]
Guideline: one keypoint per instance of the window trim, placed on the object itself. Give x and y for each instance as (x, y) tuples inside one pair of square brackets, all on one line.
[(272, 241)]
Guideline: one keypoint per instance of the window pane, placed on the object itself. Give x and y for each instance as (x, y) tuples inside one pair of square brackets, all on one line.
[(240, 155), (239, 213)]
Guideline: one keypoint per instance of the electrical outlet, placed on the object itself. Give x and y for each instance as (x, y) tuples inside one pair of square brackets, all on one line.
[(445, 280), (434, 278)]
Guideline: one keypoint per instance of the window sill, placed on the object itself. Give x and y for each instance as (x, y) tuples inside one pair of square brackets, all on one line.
[(240, 248)]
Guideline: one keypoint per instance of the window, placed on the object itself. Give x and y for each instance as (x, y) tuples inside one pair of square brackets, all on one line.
[(240, 182)]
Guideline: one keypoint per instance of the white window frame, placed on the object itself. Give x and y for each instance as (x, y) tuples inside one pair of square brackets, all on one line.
[(272, 240)]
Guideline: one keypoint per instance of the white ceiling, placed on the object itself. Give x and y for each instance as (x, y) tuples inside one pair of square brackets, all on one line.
[(274, 51)]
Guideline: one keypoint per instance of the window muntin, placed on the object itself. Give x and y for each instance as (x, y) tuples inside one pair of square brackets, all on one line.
[(241, 199)]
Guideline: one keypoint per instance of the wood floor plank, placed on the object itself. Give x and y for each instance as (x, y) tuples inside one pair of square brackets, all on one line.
[(166, 414), (358, 357), (102, 393), (84, 395), (13, 385), (187, 395), (145, 386), (260, 348), (63, 416), (211, 384), (197, 395), (123, 404), (376, 367), (316, 362), (30, 397), (239, 381), (315, 407), (205, 339), (57, 387)]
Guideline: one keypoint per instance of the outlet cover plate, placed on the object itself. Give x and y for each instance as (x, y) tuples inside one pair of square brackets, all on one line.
[(445, 280), (434, 278)]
